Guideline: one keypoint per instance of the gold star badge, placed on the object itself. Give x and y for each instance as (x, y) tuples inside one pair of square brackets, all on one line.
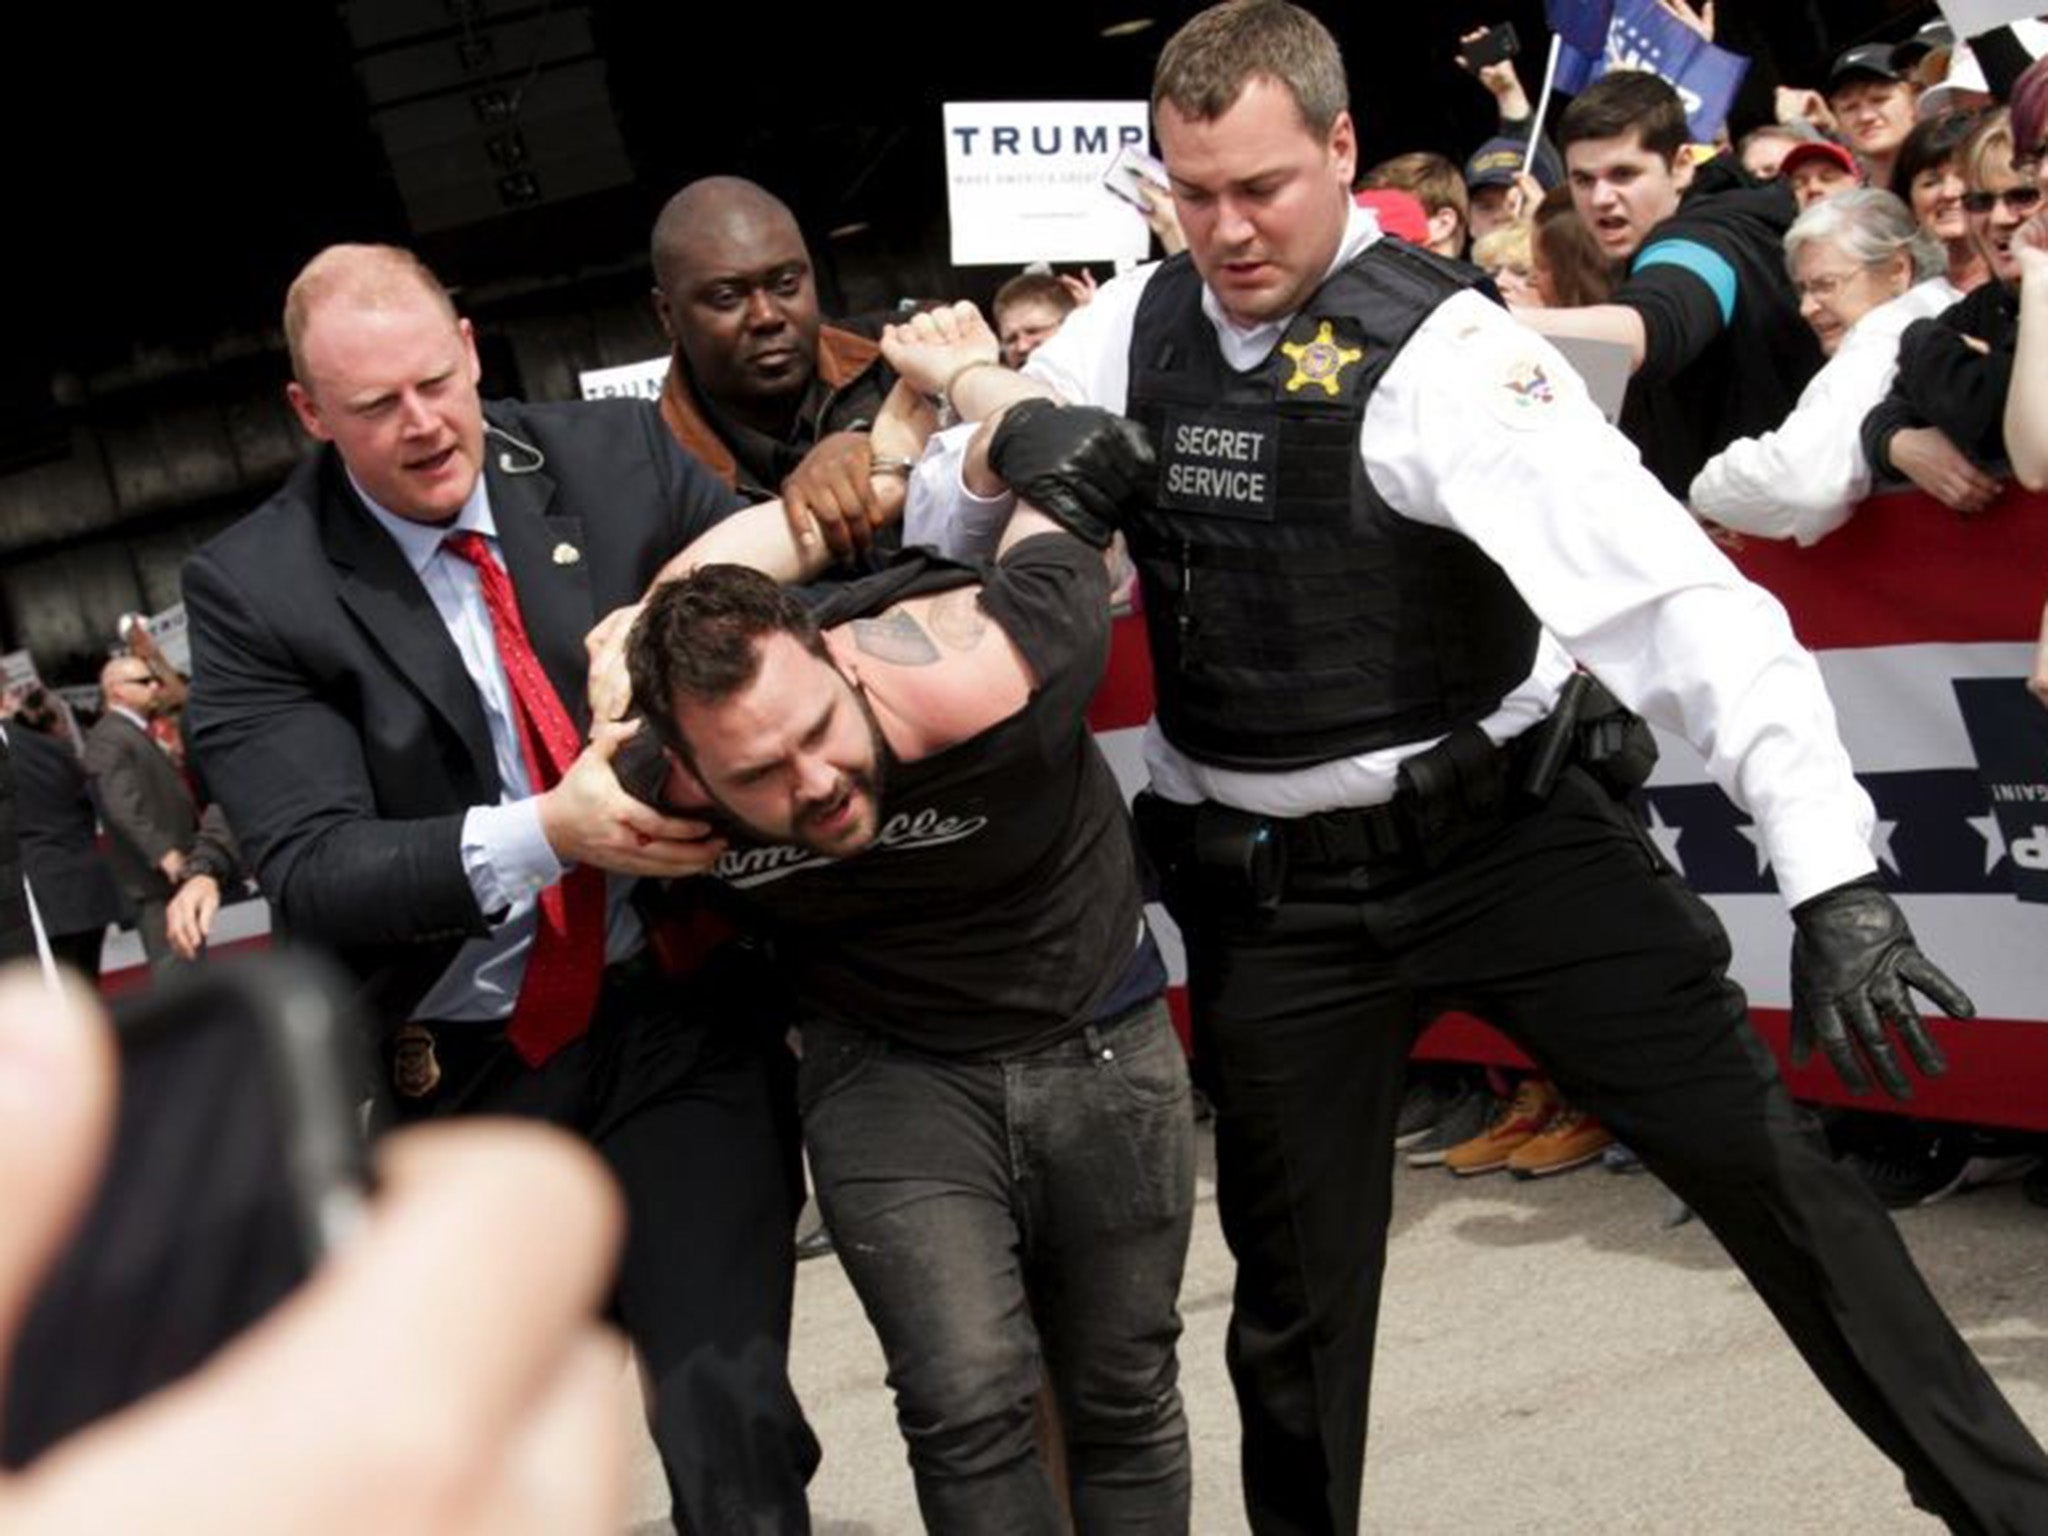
[(567, 554), (1320, 362)]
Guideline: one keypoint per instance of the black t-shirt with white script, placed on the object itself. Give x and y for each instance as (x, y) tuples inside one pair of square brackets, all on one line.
[(997, 909)]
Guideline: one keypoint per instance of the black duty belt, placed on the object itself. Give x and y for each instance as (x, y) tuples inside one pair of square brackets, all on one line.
[(1450, 796), (1460, 789)]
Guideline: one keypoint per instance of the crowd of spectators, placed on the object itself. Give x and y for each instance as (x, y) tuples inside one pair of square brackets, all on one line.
[(116, 830), (1850, 298), (1835, 304)]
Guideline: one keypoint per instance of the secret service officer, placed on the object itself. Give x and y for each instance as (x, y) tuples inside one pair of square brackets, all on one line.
[(1388, 522)]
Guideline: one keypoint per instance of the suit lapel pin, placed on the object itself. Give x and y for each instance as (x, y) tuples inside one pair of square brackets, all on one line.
[(567, 554)]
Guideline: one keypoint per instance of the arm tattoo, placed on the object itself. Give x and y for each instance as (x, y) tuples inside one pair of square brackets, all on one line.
[(957, 621), (895, 636)]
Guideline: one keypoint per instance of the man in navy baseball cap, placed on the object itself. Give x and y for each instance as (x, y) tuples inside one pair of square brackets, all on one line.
[(1490, 181)]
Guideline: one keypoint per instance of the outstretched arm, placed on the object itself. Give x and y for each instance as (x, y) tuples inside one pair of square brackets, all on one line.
[(794, 549), (1626, 582), (1593, 322), (783, 542)]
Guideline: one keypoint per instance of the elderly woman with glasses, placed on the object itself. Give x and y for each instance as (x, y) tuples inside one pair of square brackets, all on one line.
[(1864, 271), (1954, 370)]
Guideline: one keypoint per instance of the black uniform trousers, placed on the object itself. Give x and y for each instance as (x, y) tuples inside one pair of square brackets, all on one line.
[(1567, 930), (696, 1115)]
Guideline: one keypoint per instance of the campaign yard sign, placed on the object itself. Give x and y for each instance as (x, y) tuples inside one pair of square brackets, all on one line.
[(1024, 181)]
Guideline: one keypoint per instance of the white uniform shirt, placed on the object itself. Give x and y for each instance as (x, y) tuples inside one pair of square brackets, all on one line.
[(1802, 480), (1480, 426)]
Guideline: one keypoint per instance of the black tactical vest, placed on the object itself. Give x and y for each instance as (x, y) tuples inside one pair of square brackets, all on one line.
[(1294, 616)]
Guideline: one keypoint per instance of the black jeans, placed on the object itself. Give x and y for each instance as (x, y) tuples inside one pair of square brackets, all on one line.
[(993, 1213), (1566, 930), (695, 1113)]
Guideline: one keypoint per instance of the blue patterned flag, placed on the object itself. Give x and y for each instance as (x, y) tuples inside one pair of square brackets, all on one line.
[(1642, 35)]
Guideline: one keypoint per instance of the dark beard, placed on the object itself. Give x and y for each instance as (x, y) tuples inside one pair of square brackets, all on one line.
[(872, 783)]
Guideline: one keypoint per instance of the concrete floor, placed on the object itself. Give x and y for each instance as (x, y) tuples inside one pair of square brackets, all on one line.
[(1553, 1358)]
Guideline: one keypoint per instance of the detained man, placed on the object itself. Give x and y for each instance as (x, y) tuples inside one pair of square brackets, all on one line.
[(994, 1100)]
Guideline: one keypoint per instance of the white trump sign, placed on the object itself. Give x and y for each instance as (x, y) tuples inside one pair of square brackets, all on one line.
[(627, 381), (1024, 181)]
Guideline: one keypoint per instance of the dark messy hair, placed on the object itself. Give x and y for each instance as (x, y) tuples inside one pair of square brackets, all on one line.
[(1626, 101), (697, 640)]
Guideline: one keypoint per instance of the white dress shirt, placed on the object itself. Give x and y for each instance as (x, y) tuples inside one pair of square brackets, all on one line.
[(1480, 426)]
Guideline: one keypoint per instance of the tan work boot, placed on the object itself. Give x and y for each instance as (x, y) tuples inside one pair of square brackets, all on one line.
[(1572, 1139), (1523, 1118)]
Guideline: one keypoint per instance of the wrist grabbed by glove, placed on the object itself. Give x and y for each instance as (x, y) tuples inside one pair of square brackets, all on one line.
[(1853, 962), (1078, 465)]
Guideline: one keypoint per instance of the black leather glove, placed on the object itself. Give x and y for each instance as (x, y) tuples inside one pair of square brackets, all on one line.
[(1076, 464), (1853, 959)]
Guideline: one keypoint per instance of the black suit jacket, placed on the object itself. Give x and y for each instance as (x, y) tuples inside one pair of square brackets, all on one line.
[(330, 711), (55, 819), (147, 806)]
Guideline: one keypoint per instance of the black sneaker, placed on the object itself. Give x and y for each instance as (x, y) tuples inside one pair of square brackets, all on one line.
[(1939, 1162), (1469, 1113), (1422, 1106)]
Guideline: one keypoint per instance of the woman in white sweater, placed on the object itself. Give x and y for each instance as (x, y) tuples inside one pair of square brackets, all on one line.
[(1864, 271)]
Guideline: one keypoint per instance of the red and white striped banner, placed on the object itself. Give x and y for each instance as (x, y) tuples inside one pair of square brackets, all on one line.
[(1900, 605)]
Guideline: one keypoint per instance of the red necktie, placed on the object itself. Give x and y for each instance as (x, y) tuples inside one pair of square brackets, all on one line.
[(566, 964)]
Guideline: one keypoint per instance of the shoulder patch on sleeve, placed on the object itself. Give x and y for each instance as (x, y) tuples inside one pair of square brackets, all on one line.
[(1513, 374), (1523, 390)]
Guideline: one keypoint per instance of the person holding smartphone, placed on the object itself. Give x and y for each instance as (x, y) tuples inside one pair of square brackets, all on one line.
[(443, 1375)]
